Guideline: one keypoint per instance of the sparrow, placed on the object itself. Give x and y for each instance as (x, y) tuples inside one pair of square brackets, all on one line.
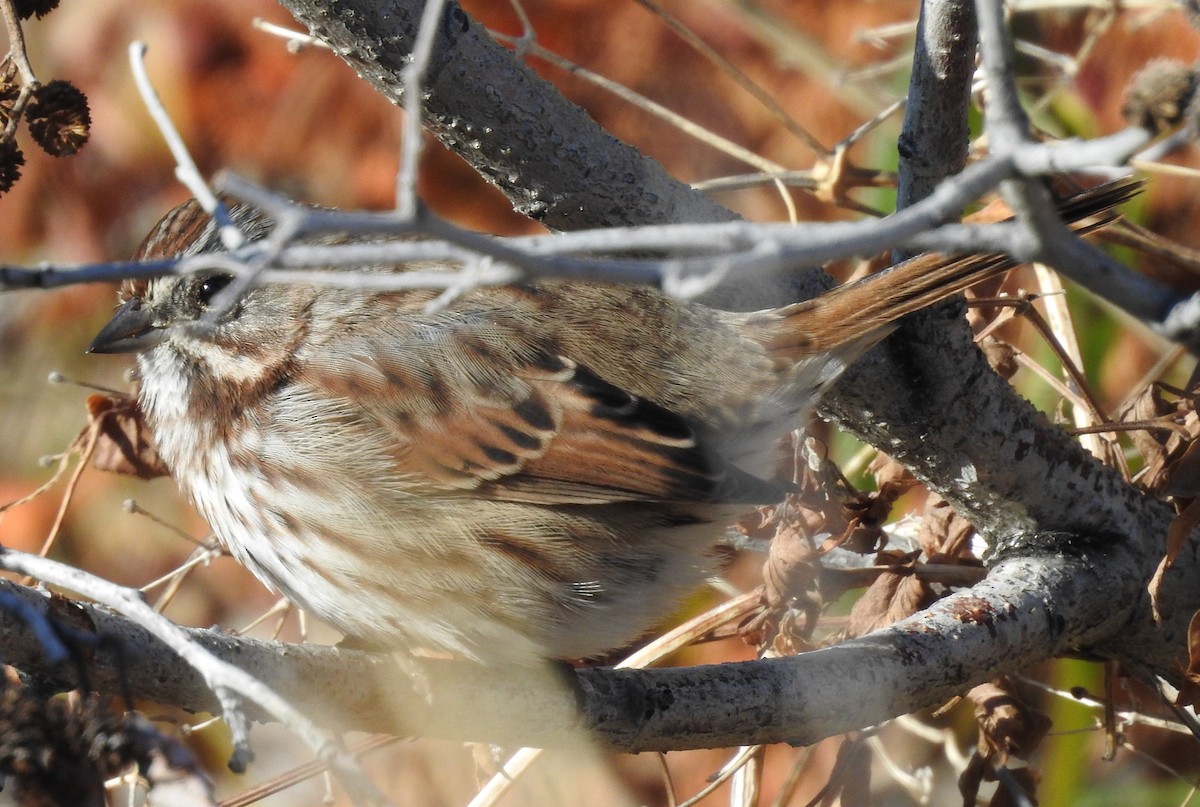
[(537, 471)]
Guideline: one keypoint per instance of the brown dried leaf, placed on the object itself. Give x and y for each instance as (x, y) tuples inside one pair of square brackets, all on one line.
[(124, 443), (866, 513), (790, 576), (971, 778), (1001, 356), (1148, 405), (943, 534), (1157, 447), (856, 783), (1189, 693), (791, 567), (886, 470), (758, 524), (828, 503), (1177, 536), (1182, 478), (893, 596), (818, 506), (850, 780), (1008, 727)]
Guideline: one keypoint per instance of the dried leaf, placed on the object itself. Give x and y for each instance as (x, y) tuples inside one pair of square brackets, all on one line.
[(124, 443), (886, 470), (1008, 727), (790, 576), (850, 780), (1149, 444), (1177, 535), (866, 513), (822, 491), (791, 567), (1183, 475), (1189, 693), (971, 778), (893, 596), (1001, 357), (856, 783), (1159, 447), (943, 534)]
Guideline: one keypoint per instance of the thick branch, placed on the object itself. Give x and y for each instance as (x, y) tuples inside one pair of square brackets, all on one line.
[(955, 422), (935, 138), (554, 162), (1030, 608)]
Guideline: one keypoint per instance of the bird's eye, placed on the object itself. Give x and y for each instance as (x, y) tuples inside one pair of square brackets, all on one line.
[(208, 288)]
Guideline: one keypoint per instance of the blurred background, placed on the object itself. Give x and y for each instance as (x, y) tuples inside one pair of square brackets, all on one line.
[(304, 124)]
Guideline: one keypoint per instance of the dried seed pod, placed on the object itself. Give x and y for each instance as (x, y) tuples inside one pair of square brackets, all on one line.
[(1159, 94), (10, 91), (58, 118), (11, 160), (27, 8), (61, 754)]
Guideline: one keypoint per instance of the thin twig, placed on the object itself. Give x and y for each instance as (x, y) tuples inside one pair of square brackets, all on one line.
[(185, 167), (743, 756), (749, 249), (16, 42), (296, 40), (85, 456), (63, 460), (640, 101), (407, 204), (661, 647), (739, 77), (301, 773)]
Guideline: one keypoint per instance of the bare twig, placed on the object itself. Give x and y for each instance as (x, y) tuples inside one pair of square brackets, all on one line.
[(410, 155), (296, 40), (185, 167), (750, 250), (16, 42), (739, 76)]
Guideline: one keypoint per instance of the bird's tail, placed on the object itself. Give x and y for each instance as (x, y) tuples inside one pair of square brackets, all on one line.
[(849, 319)]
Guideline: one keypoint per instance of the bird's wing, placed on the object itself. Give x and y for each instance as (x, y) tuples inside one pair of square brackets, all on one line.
[(473, 410)]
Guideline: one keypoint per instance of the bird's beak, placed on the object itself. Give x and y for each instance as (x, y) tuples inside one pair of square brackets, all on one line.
[(131, 329)]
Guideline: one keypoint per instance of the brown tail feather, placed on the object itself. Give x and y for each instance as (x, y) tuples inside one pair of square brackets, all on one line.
[(852, 317)]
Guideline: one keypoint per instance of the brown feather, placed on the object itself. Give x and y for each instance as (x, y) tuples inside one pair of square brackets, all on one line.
[(845, 317)]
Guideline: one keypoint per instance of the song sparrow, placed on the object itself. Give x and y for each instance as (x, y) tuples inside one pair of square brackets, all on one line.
[(538, 471)]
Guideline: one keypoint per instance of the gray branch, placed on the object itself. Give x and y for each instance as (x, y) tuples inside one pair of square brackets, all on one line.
[(1031, 607), (556, 164)]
